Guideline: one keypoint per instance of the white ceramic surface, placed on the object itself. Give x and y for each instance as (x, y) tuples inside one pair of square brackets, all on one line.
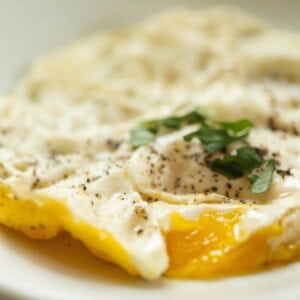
[(63, 268)]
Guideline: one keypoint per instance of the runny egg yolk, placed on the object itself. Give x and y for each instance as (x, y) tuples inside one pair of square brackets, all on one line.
[(52, 217), (208, 248)]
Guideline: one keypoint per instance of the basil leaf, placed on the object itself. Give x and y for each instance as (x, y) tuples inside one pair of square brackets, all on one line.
[(146, 132), (240, 128), (248, 158), (236, 166), (229, 166), (152, 125), (252, 178), (190, 136), (141, 136), (195, 116), (263, 181), (242, 164), (213, 139), (175, 122), (172, 122)]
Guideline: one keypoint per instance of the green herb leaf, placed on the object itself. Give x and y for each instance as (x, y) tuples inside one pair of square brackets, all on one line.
[(229, 166), (175, 122), (236, 166), (252, 178), (249, 159), (242, 164), (146, 132), (195, 116), (214, 136), (190, 136), (213, 139), (172, 122), (152, 125), (239, 129), (262, 182), (141, 136)]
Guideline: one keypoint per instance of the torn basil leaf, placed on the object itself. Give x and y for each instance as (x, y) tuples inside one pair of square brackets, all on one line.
[(229, 166), (215, 139), (262, 182), (249, 159), (239, 129), (195, 116), (172, 122), (175, 122), (141, 136), (244, 163), (236, 166), (146, 132)]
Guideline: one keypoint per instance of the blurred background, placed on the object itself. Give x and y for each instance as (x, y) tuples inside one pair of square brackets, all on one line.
[(29, 28)]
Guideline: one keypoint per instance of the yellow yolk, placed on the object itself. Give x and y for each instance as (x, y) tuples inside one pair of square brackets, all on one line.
[(46, 220), (209, 248), (205, 248)]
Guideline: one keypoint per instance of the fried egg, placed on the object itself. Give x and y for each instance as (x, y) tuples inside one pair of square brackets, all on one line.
[(66, 163)]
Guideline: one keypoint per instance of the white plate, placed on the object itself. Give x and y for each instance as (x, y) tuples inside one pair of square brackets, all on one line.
[(63, 268)]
